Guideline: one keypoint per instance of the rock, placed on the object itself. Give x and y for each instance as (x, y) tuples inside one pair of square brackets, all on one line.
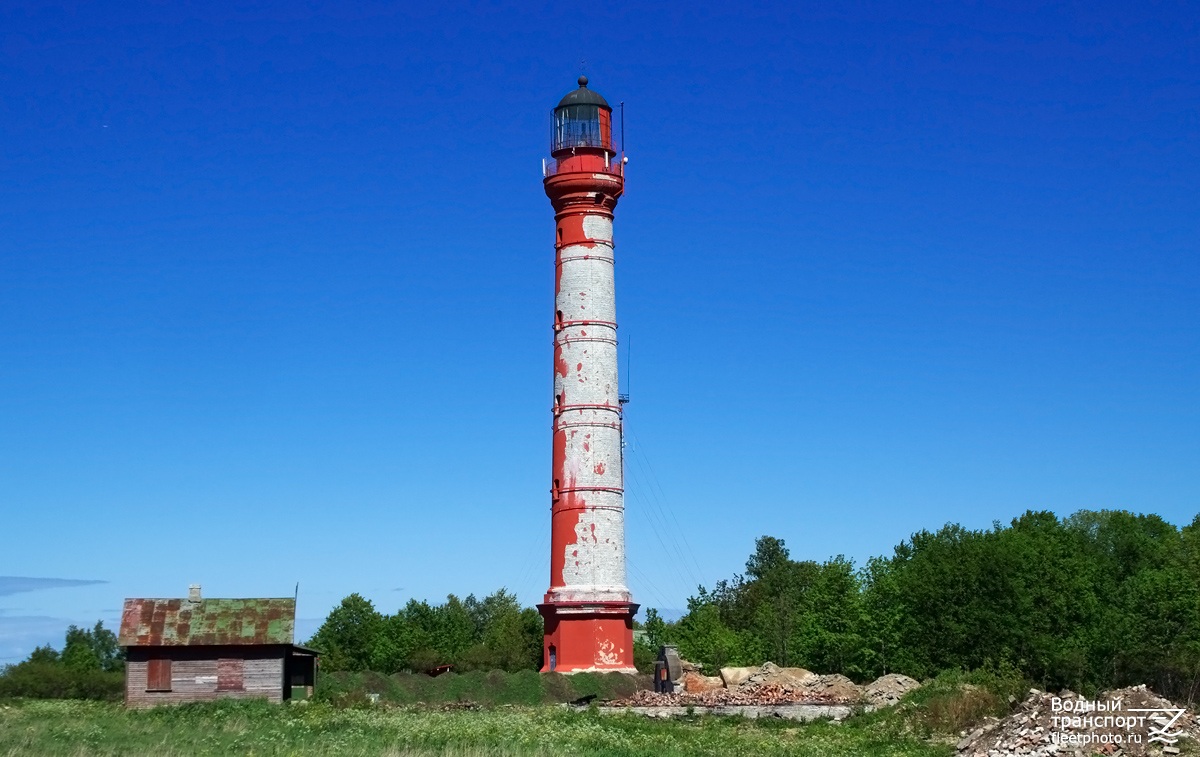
[(690, 667), (769, 672), (794, 676), (694, 683), (966, 742), (734, 677), (889, 689)]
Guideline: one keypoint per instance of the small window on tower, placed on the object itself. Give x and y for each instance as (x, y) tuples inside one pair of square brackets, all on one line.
[(554, 491), (558, 320)]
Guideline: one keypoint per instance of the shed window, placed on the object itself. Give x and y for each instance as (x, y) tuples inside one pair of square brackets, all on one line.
[(231, 674), (158, 675)]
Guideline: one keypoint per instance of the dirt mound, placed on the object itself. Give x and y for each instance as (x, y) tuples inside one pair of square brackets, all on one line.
[(887, 690), (1132, 722), (837, 687)]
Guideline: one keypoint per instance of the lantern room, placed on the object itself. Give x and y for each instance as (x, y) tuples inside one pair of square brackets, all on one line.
[(582, 123)]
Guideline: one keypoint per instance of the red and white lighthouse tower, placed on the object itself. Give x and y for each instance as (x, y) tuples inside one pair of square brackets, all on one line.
[(588, 609)]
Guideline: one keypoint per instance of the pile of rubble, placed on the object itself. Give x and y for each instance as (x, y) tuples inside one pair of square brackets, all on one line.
[(771, 685), (806, 685), (759, 694), (1130, 722), (887, 690)]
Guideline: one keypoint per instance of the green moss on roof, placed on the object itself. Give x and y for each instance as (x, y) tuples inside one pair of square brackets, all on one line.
[(180, 622)]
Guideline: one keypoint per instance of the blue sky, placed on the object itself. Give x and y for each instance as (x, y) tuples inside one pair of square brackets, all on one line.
[(277, 285)]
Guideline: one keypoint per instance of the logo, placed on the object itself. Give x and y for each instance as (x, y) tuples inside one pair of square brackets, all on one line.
[(1081, 714), (1162, 719)]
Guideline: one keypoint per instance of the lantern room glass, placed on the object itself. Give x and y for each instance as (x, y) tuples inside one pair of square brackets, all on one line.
[(579, 126)]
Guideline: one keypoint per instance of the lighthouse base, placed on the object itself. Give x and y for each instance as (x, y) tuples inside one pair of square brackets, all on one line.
[(588, 637)]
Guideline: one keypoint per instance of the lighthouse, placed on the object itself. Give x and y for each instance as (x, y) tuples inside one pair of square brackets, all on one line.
[(588, 610)]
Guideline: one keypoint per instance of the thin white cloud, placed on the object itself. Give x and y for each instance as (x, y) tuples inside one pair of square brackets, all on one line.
[(10, 585)]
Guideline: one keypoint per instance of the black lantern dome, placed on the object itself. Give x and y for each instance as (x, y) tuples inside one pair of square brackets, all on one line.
[(583, 96), (582, 119)]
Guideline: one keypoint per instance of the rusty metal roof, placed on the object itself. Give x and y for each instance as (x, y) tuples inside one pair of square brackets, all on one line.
[(182, 622)]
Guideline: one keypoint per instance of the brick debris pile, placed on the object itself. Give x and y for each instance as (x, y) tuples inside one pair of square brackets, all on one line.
[(1132, 722), (770, 684), (752, 694)]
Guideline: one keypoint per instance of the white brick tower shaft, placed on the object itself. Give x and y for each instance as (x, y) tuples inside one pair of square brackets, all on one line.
[(587, 493)]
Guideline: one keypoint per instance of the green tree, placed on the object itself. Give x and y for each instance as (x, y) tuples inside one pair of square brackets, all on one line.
[(78, 653), (107, 648), (94, 649), (350, 636), (704, 638), (420, 628), (769, 555), (882, 621), (455, 630), (506, 636), (44, 655), (829, 634), (655, 628)]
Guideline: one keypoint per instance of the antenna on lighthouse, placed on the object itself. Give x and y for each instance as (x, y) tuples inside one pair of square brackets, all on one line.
[(623, 397), (624, 159)]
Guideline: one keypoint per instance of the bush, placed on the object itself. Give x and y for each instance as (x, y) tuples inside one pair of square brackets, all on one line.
[(953, 711), (49, 680), (644, 657), (956, 700)]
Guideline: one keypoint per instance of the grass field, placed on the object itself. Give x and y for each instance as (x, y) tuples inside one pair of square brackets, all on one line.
[(496, 687), (79, 728)]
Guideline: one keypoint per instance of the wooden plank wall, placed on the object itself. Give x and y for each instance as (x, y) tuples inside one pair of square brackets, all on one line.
[(194, 674)]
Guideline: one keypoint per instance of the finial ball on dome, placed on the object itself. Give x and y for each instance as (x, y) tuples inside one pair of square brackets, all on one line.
[(583, 81)]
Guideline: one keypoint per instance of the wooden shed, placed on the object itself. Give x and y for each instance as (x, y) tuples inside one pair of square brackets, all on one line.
[(195, 650)]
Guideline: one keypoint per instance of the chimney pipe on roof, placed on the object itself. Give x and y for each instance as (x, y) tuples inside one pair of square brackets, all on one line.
[(194, 593)]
